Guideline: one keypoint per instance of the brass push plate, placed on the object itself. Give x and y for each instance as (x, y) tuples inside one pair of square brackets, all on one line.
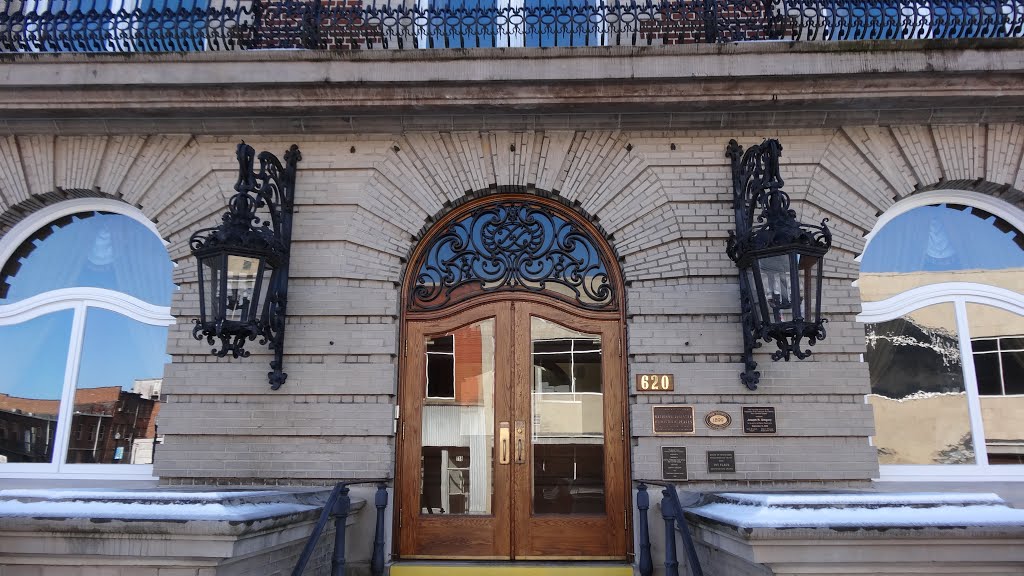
[(503, 443)]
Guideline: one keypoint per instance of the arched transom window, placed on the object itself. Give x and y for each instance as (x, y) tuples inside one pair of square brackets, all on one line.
[(85, 291), (513, 244), (942, 280)]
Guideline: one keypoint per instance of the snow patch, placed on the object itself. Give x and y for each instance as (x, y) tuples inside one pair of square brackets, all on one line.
[(744, 516)]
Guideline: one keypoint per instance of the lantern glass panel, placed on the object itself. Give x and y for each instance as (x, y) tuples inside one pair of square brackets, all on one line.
[(212, 271), (264, 291), (809, 272), (778, 288), (755, 306), (241, 287)]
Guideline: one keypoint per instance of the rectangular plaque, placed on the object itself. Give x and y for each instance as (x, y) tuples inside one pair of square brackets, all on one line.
[(759, 420), (655, 383), (673, 463), (721, 461), (673, 420)]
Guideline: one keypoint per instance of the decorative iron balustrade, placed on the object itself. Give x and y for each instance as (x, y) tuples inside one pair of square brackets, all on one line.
[(219, 25)]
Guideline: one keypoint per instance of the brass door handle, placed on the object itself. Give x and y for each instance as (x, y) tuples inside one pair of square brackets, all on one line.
[(503, 433), (520, 442)]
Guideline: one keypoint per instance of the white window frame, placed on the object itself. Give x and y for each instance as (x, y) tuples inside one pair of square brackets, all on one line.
[(79, 300), (959, 294)]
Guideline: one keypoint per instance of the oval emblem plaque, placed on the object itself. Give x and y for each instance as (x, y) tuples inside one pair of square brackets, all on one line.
[(718, 420)]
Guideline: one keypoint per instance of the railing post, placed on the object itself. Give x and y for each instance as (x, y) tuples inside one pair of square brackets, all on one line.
[(381, 502), (668, 512), (643, 502), (342, 506)]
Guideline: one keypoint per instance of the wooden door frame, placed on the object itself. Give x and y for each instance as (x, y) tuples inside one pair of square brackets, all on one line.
[(618, 313)]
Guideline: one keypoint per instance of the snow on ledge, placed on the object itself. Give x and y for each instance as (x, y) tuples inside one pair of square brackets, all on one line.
[(744, 516), (134, 495), (872, 499), (149, 510), (170, 505), (860, 510)]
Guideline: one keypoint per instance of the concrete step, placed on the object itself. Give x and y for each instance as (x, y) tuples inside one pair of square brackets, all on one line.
[(491, 568)]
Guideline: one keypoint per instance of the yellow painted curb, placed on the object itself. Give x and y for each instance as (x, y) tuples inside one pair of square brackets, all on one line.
[(509, 570)]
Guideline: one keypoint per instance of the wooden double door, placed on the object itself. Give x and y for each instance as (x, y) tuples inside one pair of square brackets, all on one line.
[(512, 440)]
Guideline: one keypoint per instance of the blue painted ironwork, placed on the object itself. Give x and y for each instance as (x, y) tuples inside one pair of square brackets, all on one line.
[(672, 514), (217, 25), (512, 245), (643, 503), (339, 505)]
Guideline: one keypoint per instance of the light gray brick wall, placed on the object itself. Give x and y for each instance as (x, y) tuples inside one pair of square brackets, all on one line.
[(664, 196)]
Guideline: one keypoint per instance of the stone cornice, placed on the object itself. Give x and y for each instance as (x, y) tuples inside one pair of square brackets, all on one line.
[(705, 86)]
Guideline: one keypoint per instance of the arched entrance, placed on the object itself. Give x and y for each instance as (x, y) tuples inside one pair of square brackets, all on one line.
[(512, 440)]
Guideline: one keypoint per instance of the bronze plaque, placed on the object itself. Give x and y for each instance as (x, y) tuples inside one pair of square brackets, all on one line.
[(673, 420), (759, 420), (718, 420), (655, 383), (673, 463), (721, 461)]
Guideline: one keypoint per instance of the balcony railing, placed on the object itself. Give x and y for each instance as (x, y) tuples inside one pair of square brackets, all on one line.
[(224, 25)]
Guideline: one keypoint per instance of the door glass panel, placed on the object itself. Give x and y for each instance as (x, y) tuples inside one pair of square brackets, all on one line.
[(568, 420), (998, 350), (917, 389), (458, 421)]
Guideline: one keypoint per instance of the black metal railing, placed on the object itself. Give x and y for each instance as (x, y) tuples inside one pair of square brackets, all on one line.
[(672, 514), (218, 25), (339, 505)]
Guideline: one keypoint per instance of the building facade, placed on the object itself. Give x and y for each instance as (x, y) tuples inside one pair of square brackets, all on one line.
[(498, 256)]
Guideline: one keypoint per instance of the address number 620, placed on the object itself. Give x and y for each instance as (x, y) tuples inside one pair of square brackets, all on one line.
[(654, 383)]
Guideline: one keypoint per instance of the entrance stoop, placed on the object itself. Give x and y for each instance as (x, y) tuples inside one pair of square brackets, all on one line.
[(443, 568)]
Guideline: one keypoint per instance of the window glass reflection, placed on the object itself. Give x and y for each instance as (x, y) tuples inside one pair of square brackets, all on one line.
[(998, 352), (568, 420), (917, 389), (458, 421), (117, 399), (90, 249), (31, 383), (934, 244)]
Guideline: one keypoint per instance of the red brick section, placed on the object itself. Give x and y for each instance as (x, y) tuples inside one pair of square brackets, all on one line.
[(687, 22), (339, 24), (105, 411), (468, 365)]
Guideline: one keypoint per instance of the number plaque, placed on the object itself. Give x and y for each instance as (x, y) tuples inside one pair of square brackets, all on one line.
[(655, 383)]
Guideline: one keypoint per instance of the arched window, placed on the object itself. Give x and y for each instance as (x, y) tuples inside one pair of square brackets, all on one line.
[(942, 282), (85, 293)]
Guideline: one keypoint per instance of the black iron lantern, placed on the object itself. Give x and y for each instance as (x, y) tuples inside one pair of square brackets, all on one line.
[(779, 258), (243, 262)]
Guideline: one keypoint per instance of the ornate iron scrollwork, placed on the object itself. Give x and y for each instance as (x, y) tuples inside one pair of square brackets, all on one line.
[(767, 228), (512, 246), (244, 231)]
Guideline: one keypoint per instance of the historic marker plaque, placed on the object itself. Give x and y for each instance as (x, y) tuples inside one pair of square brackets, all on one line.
[(721, 461), (673, 463), (759, 420), (718, 420), (655, 383), (673, 420)]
